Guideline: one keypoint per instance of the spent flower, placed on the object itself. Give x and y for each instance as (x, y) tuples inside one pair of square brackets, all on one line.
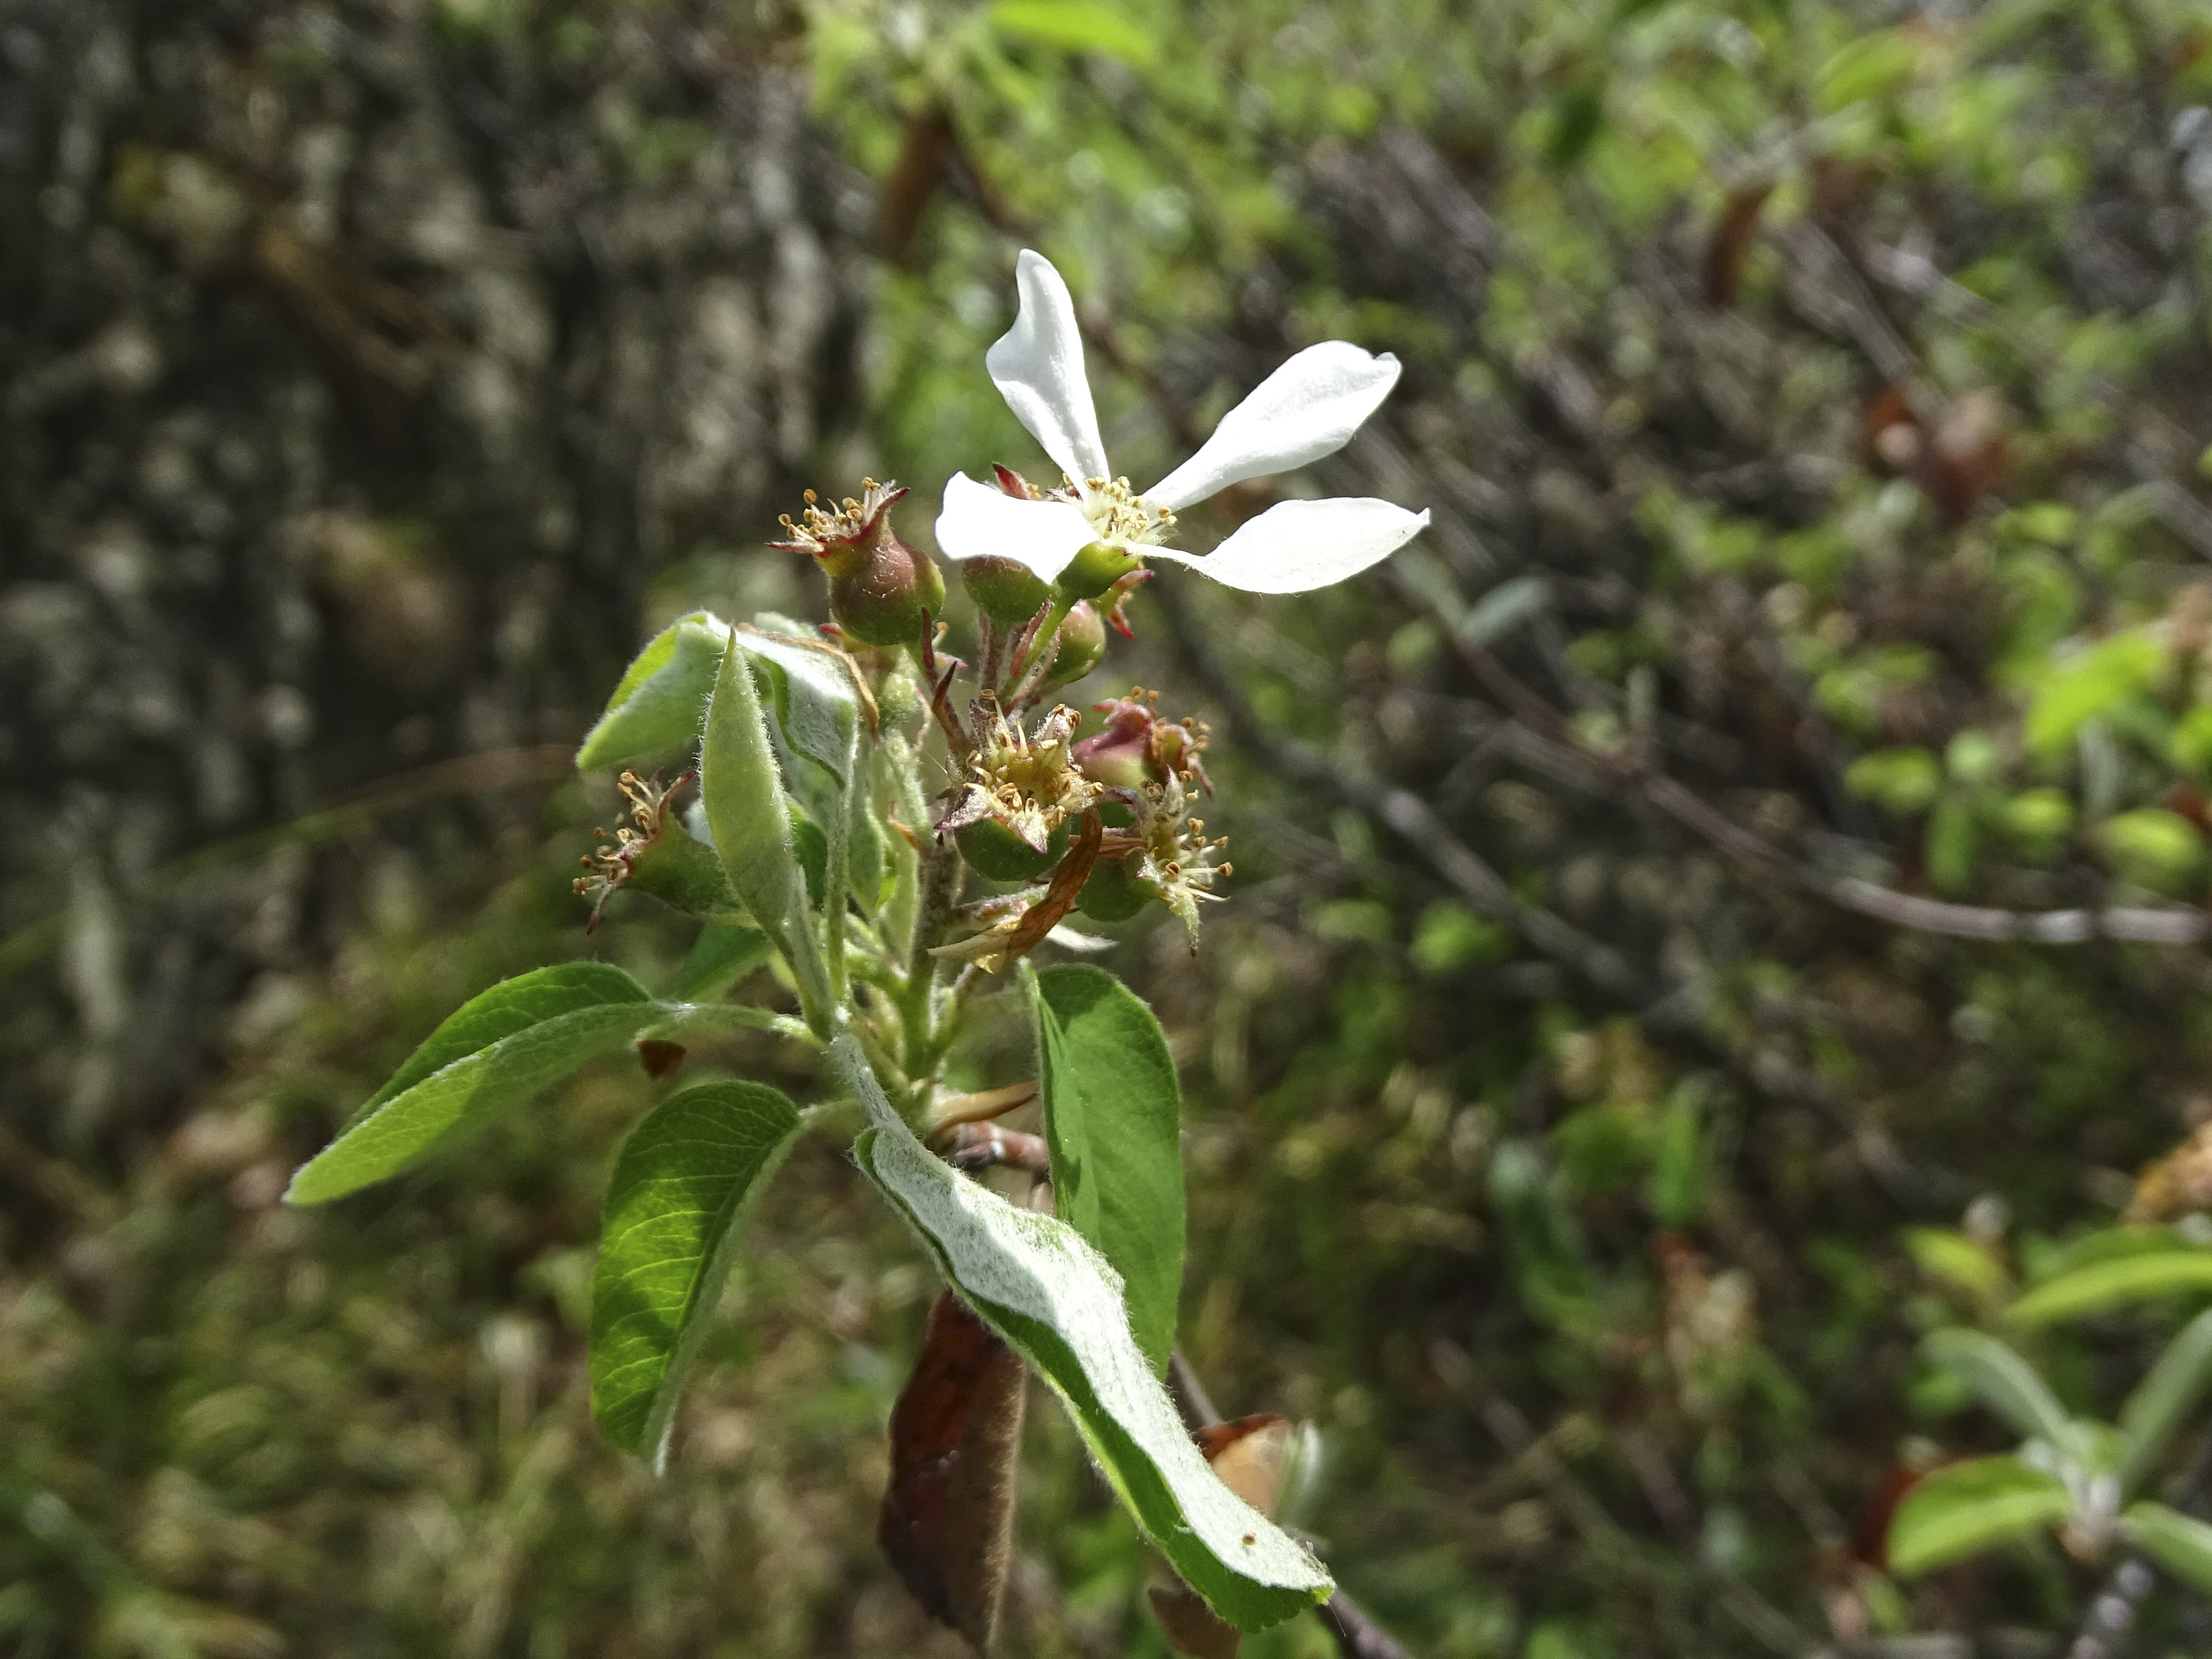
[(1022, 791)]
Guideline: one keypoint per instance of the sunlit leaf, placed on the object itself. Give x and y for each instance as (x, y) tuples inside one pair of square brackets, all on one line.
[(675, 1208), (1968, 1507), (1037, 1283), (1113, 1117), (658, 706), (744, 794), (2104, 1285), (500, 1048), (1076, 25), (1959, 1261)]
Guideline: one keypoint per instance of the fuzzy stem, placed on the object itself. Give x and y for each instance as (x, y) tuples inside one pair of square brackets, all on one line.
[(941, 874), (1034, 663)]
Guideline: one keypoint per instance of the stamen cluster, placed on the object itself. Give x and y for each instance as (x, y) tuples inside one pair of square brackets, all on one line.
[(609, 865), (825, 533), (1120, 513)]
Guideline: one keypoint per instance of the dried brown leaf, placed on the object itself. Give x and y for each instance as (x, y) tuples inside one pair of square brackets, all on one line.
[(948, 1515)]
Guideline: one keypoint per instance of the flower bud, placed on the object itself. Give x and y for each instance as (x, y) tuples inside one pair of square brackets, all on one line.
[(1095, 569), (878, 586), (1005, 590), (1116, 891), (1082, 643)]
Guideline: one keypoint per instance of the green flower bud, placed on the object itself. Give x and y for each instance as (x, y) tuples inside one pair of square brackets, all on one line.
[(1115, 891), (1006, 590), (881, 604), (1095, 569), (1082, 644)]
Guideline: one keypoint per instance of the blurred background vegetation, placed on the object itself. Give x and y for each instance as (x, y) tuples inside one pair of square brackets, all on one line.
[(1724, 900)]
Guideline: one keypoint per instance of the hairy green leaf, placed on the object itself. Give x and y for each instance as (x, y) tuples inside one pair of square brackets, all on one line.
[(2163, 1399), (2103, 1286), (1965, 1509), (2004, 1382), (498, 1048), (1035, 1281), (724, 953), (743, 795), (676, 1205), (1113, 1121), (657, 706), (809, 694), (2179, 1543)]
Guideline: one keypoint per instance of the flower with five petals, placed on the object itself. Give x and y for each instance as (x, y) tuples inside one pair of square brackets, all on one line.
[(1308, 408)]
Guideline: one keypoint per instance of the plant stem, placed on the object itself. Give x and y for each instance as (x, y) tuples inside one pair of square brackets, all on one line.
[(1029, 669), (941, 873)]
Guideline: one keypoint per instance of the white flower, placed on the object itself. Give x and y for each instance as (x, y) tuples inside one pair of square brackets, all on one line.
[(1307, 409)]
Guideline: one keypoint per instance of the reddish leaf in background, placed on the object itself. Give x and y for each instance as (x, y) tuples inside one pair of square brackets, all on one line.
[(1248, 1455), (1965, 455), (1870, 1538), (1955, 459), (948, 1516), (1731, 244), (913, 180)]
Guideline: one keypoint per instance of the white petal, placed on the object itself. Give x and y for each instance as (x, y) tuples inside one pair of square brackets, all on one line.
[(979, 520), (1307, 409), (1037, 365), (1296, 546)]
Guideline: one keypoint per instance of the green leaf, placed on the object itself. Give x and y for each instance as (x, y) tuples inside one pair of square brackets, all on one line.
[(2154, 848), (2163, 1399), (724, 953), (500, 1048), (1035, 1281), (810, 693), (2103, 1286), (2004, 1382), (1871, 66), (1959, 1261), (2078, 688), (1113, 1121), (742, 792), (2179, 1543), (657, 705), (1963, 1509), (1900, 781), (676, 1205), (1076, 25)]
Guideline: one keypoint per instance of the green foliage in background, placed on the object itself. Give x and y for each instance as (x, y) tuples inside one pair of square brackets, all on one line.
[(1812, 398)]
